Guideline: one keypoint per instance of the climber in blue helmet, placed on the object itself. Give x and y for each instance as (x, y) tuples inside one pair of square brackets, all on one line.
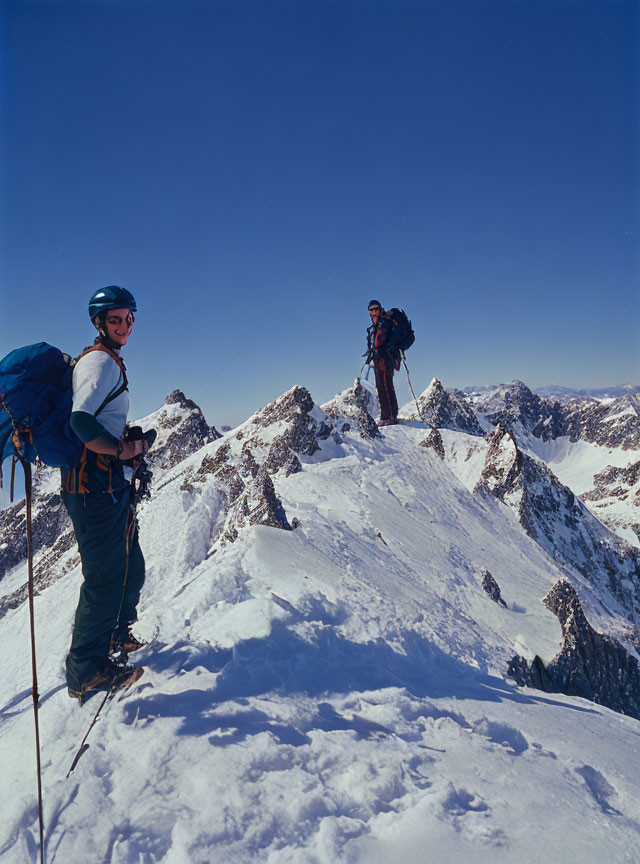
[(98, 497)]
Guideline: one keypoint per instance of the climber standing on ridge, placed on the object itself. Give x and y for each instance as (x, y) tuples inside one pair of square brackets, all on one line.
[(385, 360), (98, 498)]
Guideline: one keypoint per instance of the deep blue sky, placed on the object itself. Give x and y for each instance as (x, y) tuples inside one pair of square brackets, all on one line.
[(256, 172)]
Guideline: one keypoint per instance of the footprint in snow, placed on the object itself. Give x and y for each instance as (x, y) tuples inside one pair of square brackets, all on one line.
[(459, 802), (599, 788), (500, 733)]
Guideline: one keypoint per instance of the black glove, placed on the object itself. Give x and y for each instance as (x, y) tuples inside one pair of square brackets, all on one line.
[(128, 453), (135, 433)]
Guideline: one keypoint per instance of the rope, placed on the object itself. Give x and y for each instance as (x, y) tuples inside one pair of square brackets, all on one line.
[(128, 536), (34, 673), (131, 525), (415, 398)]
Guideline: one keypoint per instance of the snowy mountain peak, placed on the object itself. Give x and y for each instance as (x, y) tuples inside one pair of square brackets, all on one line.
[(434, 386), (502, 464), (182, 429), (444, 409), (516, 406), (552, 515), (357, 405), (177, 397)]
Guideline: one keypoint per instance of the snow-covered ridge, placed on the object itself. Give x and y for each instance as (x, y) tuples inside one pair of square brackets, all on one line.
[(329, 681)]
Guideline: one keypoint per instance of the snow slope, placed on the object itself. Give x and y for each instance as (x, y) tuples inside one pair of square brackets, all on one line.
[(333, 693)]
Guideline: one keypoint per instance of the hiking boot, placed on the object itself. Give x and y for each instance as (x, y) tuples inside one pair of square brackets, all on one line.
[(126, 644), (388, 422), (110, 676)]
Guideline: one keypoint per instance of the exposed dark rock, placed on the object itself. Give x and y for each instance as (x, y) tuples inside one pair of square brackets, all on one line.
[(251, 498), (177, 397), (444, 409), (614, 482), (513, 404), (611, 487), (266, 508), (286, 407), (355, 405), (52, 538), (281, 458), (503, 465), (434, 442), (589, 664), (492, 588), (14, 539), (292, 407), (559, 522), (248, 462), (612, 423), (189, 432), (50, 520)]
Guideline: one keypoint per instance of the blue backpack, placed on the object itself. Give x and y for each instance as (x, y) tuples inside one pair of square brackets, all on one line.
[(35, 405)]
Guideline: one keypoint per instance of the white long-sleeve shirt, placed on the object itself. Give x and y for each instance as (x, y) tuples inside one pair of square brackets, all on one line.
[(95, 376)]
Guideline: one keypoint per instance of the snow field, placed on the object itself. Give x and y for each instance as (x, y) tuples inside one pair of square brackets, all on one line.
[(331, 694)]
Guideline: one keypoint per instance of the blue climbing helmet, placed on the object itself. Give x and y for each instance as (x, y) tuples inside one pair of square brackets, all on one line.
[(111, 297)]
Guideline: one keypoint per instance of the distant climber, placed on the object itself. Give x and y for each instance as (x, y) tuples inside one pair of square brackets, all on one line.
[(385, 358)]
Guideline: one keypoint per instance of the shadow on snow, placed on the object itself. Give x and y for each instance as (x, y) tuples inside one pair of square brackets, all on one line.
[(286, 664)]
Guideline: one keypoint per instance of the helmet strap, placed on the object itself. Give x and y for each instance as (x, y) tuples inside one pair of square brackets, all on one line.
[(103, 338)]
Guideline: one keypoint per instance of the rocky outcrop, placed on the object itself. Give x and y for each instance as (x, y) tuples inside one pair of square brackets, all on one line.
[(182, 430), (502, 472), (250, 496), (492, 588), (512, 405), (445, 409), (246, 463), (589, 664), (49, 521), (356, 405), (610, 420), (292, 410), (552, 515), (615, 481), (613, 423), (54, 550), (434, 442), (612, 488)]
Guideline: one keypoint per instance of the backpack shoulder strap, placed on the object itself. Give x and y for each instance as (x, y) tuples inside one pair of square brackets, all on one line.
[(125, 383), (108, 351)]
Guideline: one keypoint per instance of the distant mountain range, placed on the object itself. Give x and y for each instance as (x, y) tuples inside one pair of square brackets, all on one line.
[(556, 391)]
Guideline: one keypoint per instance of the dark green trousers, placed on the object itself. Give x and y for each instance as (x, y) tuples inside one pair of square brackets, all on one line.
[(106, 605)]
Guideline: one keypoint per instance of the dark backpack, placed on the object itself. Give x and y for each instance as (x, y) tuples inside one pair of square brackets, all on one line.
[(36, 395), (402, 335)]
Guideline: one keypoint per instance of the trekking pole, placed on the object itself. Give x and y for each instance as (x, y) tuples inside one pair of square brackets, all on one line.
[(131, 524), (415, 398), (34, 673), (140, 481)]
